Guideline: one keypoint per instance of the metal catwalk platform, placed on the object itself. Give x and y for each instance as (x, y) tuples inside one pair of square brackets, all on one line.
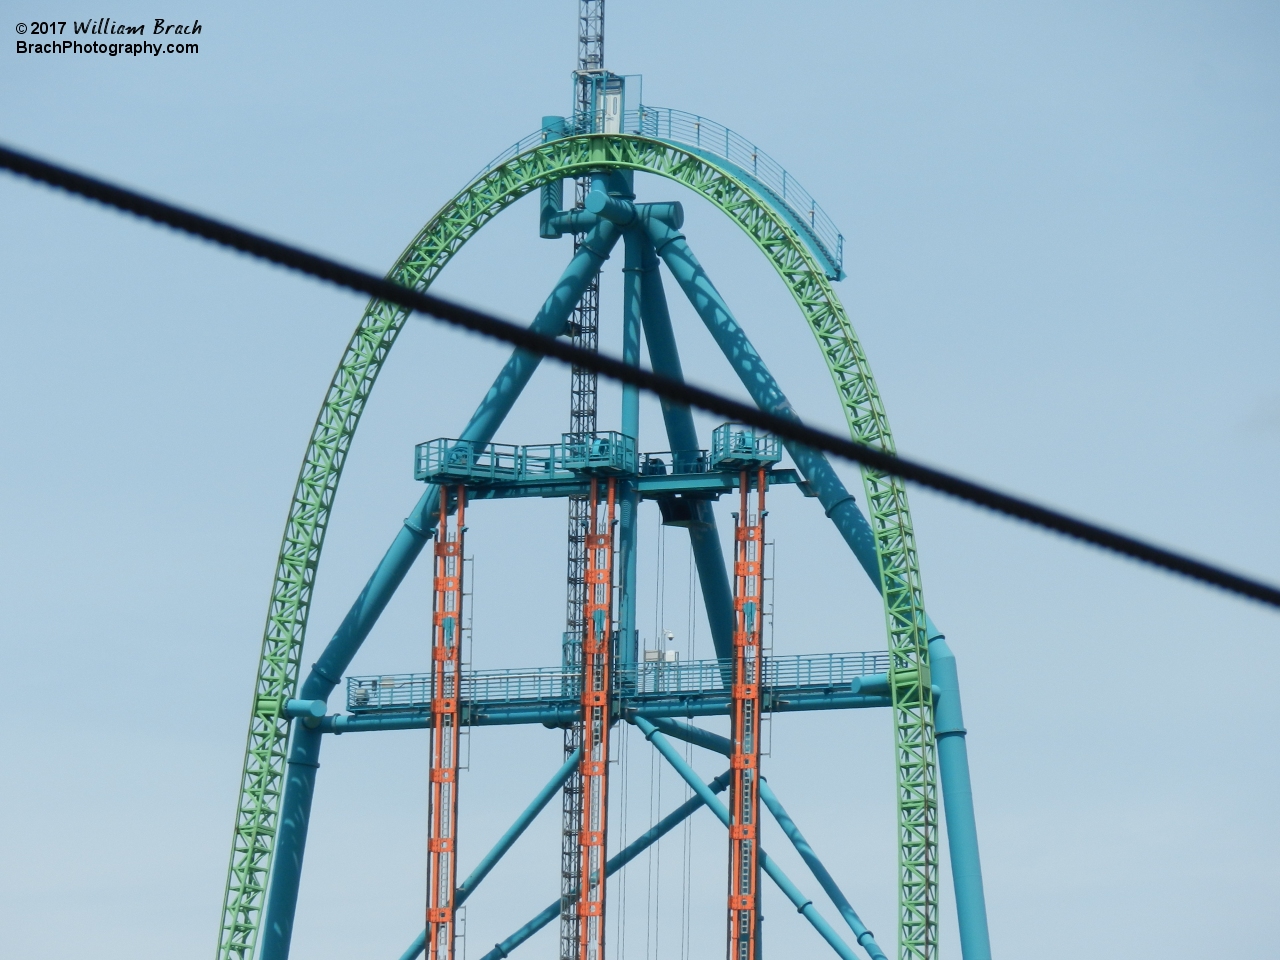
[(827, 681)]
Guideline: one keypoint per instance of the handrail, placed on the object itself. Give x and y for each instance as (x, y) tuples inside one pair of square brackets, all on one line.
[(680, 126), (407, 691), (692, 130)]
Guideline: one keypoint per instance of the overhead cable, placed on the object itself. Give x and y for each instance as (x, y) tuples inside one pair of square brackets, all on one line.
[(488, 325)]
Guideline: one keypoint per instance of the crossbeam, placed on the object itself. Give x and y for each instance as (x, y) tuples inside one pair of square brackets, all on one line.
[(708, 486), (551, 696), (724, 746), (804, 906)]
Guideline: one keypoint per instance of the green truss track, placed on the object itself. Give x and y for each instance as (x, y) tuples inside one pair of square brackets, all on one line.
[(262, 778)]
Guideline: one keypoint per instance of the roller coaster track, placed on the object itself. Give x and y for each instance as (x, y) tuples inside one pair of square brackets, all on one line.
[(479, 202)]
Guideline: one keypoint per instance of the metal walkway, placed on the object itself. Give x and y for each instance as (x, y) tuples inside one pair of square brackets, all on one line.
[(651, 689)]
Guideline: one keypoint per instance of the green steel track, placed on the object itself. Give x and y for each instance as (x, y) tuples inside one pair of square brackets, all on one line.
[(262, 778)]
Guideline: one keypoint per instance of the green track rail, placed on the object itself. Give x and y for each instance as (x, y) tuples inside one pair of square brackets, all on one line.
[(262, 778)]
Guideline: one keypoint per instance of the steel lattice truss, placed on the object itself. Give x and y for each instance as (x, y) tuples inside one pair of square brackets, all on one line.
[(278, 673)]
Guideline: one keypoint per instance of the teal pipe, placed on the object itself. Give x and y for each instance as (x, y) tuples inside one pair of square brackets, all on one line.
[(957, 801), (690, 733), (628, 495), (842, 509), (616, 863), (552, 194), (714, 742), (820, 873), (295, 806), (708, 553), (508, 839), (468, 886), (674, 250), (835, 498), (803, 905)]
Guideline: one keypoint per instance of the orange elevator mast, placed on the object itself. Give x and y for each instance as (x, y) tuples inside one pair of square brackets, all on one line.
[(446, 671), (744, 793), (597, 669)]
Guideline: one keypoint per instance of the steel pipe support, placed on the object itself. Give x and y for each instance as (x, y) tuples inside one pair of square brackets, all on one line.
[(838, 502), (864, 936), (624, 212), (718, 744), (616, 863), (291, 841), (957, 801), (664, 357), (628, 495), (305, 709), (508, 839), (803, 905), (468, 886)]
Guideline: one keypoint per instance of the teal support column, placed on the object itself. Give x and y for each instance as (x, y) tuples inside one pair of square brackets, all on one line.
[(616, 863), (841, 508), (629, 497), (957, 801), (804, 906), (708, 554), (764, 390), (295, 805), (552, 194)]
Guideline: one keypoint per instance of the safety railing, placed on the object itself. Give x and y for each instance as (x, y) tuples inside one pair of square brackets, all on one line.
[(680, 126), (663, 123), (412, 691), (739, 445), (468, 462)]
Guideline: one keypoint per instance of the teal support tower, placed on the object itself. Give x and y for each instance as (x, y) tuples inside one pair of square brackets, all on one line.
[(591, 172)]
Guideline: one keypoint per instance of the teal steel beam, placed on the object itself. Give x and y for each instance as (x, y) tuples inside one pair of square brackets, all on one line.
[(708, 485), (628, 493), (505, 842), (558, 714), (552, 193), (616, 863), (664, 357), (304, 752), (508, 839), (957, 801), (888, 558), (429, 252), (820, 873), (803, 905), (674, 250), (722, 745)]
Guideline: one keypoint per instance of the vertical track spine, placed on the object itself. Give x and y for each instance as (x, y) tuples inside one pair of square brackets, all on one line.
[(446, 715), (744, 793)]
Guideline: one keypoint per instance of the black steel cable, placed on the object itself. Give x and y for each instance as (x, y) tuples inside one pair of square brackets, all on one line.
[(478, 322)]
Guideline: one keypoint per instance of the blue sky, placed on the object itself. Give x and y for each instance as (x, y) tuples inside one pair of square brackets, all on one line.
[(1061, 234)]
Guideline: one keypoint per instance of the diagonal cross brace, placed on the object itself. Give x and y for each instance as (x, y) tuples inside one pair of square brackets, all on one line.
[(616, 863), (718, 744), (804, 906)]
